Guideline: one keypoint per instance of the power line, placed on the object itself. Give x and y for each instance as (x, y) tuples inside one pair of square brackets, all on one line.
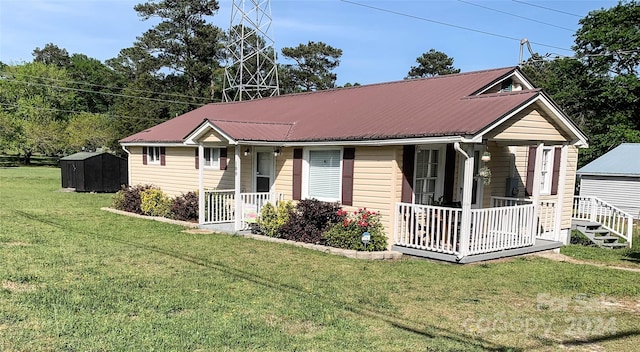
[(104, 93), (546, 8), (518, 16), (450, 25), (101, 86)]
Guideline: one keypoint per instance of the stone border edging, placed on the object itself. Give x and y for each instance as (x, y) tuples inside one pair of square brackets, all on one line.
[(349, 253)]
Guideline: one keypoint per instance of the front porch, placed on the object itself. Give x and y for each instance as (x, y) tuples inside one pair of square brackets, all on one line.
[(509, 228)]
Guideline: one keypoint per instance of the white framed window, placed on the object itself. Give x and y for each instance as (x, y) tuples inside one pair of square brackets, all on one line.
[(428, 170), (211, 157), (153, 155), (546, 170), (323, 174)]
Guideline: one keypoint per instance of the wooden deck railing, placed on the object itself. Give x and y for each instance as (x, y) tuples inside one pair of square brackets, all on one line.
[(546, 228), (611, 218)]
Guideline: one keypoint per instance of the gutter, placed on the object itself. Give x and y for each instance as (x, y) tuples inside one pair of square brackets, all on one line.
[(128, 164)]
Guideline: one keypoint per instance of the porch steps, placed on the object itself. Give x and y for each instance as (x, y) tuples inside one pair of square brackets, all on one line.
[(597, 234)]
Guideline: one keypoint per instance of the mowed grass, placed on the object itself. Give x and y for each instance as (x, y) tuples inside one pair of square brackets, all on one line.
[(627, 257), (73, 277)]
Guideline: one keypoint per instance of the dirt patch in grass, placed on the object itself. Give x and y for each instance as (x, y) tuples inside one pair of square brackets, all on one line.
[(565, 258), (17, 287), (16, 244)]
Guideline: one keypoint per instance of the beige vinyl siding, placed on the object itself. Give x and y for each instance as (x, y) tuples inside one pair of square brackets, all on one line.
[(375, 183), (529, 124), (284, 173), (501, 165), (179, 174)]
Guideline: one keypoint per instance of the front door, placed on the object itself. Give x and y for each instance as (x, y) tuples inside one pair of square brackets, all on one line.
[(478, 185), (264, 171)]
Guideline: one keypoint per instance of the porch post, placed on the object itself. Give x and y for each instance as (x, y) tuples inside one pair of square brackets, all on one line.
[(201, 195), (467, 193), (535, 192), (236, 170), (562, 178)]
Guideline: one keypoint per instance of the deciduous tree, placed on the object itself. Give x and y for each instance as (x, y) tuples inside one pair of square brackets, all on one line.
[(432, 63)]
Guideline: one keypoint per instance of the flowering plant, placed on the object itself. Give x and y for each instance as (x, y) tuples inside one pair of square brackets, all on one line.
[(485, 174), (347, 233)]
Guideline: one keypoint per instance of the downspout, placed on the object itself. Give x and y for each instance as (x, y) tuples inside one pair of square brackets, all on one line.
[(467, 189), (128, 164)]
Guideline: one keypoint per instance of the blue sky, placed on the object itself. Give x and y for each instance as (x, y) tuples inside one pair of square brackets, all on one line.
[(380, 39)]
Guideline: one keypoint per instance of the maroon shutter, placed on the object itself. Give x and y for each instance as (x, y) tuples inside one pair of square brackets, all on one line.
[(163, 160), (223, 158), (197, 158), (348, 156), (531, 168), (555, 176), (144, 155), (297, 174), (408, 159)]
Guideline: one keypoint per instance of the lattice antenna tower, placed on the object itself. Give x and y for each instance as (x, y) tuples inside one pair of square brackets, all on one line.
[(251, 71)]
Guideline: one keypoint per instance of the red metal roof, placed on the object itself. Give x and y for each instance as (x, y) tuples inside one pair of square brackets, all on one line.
[(437, 106)]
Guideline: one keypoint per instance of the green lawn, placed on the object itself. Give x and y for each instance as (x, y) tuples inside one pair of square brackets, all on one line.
[(75, 278), (628, 257)]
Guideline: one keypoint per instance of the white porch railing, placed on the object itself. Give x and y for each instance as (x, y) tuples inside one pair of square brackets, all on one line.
[(500, 228), (546, 214), (220, 206), (428, 227), (611, 218), (438, 229)]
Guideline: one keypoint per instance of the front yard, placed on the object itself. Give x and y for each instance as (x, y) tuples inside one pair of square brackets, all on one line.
[(73, 277)]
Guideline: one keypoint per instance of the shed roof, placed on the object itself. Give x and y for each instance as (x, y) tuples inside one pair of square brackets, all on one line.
[(440, 106), (623, 160), (85, 155)]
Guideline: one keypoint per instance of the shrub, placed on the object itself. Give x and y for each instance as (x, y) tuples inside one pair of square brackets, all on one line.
[(272, 218), (310, 219), (185, 207), (128, 198), (347, 233), (155, 202)]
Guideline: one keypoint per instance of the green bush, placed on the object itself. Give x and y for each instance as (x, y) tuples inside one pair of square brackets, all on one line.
[(272, 218), (185, 207), (347, 234), (155, 203), (129, 199), (310, 220)]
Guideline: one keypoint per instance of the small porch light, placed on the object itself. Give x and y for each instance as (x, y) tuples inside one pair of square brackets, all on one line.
[(276, 152), (486, 157), (247, 152)]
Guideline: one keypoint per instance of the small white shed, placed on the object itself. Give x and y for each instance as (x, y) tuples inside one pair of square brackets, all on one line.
[(615, 178)]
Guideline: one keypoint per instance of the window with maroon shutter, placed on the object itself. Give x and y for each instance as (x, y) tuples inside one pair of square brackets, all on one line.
[(348, 158), (549, 173), (297, 174), (408, 160), (163, 160), (223, 158), (144, 155), (197, 158)]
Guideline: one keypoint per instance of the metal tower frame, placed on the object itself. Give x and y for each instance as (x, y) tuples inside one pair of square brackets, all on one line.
[(251, 71)]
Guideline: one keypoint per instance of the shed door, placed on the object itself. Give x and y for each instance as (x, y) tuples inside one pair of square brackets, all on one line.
[(72, 171)]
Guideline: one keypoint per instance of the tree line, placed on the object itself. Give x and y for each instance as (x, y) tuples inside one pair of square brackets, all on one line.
[(62, 103)]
